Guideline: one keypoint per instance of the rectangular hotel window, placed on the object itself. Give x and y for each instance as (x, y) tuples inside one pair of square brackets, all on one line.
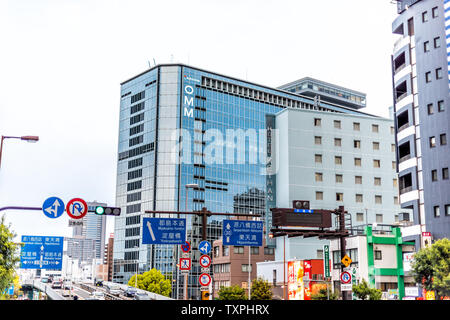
[(318, 158), (430, 108), (426, 46), (432, 142), (238, 250), (318, 140), (376, 145), (425, 16), (339, 196), (428, 76), (394, 165), (438, 73), (377, 181), (319, 195), (379, 218), (319, 176), (337, 142), (434, 12), (445, 173), (317, 122), (374, 128), (358, 179), (337, 124), (436, 211), (440, 105), (394, 183), (434, 176), (376, 163), (338, 160), (396, 200), (378, 255), (359, 217), (378, 199), (392, 130), (393, 147), (443, 139), (437, 42), (358, 162), (359, 198), (447, 209), (356, 126), (357, 144), (339, 178)]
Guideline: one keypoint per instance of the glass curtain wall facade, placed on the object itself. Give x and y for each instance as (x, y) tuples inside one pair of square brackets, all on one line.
[(181, 125)]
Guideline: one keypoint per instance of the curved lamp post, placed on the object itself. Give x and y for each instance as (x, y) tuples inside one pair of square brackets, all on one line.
[(25, 138)]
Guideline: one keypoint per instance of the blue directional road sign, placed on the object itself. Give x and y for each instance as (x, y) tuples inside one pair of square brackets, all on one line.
[(204, 247), (242, 233), (53, 207), (42, 252), (164, 231)]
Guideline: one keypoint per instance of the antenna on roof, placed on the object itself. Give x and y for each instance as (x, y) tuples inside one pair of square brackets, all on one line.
[(154, 62)]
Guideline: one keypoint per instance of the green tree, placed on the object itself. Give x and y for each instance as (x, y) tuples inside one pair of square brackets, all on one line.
[(324, 295), (431, 267), (152, 281), (232, 293), (261, 290), (363, 291), (8, 255)]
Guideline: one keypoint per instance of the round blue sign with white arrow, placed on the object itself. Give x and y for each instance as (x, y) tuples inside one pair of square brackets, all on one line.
[(53, 207), (204, 247)]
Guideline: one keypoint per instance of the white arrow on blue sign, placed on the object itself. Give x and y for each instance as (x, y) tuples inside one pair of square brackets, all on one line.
[(53, 207)]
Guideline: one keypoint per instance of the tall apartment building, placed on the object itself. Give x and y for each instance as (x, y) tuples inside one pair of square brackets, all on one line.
[(181, 125), (420, 63)]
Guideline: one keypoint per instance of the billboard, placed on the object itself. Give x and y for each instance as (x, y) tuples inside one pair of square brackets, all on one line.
[(299, 280)]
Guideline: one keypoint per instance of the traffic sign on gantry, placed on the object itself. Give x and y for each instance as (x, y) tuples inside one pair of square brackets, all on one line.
[(242, 233), (164, 231), (41, 252)]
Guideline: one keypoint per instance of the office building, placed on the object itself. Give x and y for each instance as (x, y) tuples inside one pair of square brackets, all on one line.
[(420, 81), (182, 125)]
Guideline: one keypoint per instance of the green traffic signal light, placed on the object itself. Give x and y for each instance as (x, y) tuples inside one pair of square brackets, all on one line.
[(99, 210)]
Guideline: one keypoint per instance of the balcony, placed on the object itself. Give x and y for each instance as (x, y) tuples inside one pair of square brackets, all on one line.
[(406, 189)]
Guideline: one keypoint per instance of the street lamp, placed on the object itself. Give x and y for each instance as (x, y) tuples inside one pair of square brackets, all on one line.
[(25, 138)]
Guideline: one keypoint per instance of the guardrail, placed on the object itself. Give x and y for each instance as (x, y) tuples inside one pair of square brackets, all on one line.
[(92, 288), (152, 295), (52, 294)]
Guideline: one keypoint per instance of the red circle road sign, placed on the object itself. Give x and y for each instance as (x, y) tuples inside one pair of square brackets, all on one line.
[(204, 279), (186, 246), (346, 277), (205, 261), (76, 208)]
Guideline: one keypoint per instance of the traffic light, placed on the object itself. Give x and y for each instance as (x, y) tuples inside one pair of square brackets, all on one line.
[(107, 211), (300, 204), (205, 295)]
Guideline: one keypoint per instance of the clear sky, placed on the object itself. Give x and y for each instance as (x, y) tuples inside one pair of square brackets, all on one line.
[(62, 61)]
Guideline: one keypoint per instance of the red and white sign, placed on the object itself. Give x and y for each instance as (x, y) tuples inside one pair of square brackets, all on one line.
[(186, 247), (205, 261), (426, 239), (204, 279), (185, 264), (77, 208)]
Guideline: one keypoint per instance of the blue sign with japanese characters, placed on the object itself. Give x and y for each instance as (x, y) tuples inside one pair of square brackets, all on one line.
[(164, 231), (242, 233), (42, 252)]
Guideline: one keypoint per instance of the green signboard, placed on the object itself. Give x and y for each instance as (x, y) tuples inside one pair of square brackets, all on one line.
[(326, 261)]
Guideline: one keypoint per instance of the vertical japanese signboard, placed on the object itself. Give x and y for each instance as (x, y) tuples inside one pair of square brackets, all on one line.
[(326, 261)]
